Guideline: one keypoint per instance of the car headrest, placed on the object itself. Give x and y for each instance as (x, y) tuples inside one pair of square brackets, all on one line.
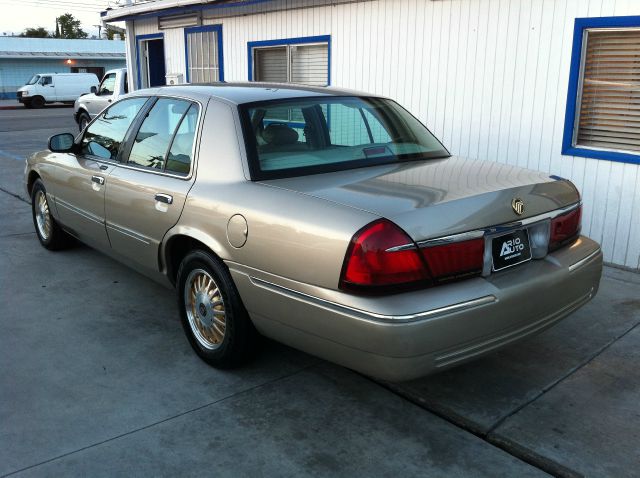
[(279, 134)]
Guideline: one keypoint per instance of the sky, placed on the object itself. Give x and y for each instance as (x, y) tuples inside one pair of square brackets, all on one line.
[(20, 14)]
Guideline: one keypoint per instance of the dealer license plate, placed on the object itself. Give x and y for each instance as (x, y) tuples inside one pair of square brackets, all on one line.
[(510, 249)]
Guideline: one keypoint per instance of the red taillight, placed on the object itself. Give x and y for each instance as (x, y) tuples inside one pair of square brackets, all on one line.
[(455, 260), (372, 264), (564, 228)]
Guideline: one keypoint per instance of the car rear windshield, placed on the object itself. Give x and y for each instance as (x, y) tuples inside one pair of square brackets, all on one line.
[(295, 137)]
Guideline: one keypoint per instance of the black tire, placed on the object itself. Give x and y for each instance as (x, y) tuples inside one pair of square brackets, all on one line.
[(83, 120), (27, 104), (37, 102), (51, 237), (239, 340)]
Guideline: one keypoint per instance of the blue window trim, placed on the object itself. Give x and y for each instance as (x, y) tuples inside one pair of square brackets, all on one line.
[(205, 28), (289, 41), (572, 94), (139, 38)]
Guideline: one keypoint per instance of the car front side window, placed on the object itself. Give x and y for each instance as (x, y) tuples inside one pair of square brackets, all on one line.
[(105, 135), (46, 80), (108, 85)]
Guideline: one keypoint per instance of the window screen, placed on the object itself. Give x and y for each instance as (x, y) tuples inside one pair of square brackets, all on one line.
[(202, 48), (305, 63), (309, 64), (608, 116), (271, 64)]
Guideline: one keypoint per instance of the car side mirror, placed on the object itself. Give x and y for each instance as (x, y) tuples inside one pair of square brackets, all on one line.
[(94, 89), (61, 143)]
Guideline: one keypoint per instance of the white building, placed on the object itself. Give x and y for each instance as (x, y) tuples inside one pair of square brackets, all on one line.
[(552, 85)]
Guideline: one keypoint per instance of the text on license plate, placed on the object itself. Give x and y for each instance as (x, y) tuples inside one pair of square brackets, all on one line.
[(510, 249)]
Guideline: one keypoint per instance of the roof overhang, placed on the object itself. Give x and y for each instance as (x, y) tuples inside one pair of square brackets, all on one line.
[(168, 7), (48, 55)]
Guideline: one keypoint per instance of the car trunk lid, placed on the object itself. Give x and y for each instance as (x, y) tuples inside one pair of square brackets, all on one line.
[(435, 198)]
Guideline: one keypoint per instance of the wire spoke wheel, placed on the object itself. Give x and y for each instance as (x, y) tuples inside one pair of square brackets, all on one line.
[(43, 216), (205, 309)]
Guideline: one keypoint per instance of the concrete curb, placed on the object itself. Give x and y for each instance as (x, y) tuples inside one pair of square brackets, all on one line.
[(12, 107)]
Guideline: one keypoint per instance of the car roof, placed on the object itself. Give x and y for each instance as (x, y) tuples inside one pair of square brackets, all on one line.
[(249, 92)]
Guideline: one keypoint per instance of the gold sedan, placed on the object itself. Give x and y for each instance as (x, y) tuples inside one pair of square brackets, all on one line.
[(329, 220)]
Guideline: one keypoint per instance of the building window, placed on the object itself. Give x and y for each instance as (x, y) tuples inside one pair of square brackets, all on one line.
[(203, 48), (603, 103), (295, 60)]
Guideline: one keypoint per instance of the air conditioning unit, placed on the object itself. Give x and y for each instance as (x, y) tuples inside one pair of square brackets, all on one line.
[(174, 78)]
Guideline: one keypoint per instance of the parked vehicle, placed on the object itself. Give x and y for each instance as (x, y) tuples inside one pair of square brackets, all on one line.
[(55, 87), (328, 220), (113, 86)]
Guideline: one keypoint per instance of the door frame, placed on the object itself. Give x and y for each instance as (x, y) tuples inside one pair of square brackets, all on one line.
[(139, 40)]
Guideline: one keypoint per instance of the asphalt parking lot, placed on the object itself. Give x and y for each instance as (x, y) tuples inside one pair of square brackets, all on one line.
[(97, 379)]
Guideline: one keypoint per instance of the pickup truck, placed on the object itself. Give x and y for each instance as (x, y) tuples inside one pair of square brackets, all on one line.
[(112, 87)]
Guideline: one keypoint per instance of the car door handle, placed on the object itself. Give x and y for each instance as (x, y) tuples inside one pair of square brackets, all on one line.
[(97, 179), (165, 198)]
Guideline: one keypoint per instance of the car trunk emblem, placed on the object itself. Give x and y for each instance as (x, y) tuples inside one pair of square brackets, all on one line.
[(518, 206)]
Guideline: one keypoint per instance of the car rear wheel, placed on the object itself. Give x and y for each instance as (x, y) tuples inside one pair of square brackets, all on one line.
[(83, 120), (213, 317), (37, 102), (49, 233)]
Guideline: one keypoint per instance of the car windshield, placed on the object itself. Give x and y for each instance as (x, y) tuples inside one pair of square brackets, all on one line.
[(317, 135), (34, 79)]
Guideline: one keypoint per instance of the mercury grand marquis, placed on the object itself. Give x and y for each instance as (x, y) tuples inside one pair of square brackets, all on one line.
[(329, 220)]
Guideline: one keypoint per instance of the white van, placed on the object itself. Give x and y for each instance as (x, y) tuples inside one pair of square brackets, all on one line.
[(54, 87)]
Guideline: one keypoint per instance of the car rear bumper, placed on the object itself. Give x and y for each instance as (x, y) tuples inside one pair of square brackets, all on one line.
[(413, 334)]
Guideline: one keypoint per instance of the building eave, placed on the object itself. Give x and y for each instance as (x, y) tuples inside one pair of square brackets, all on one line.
[(64, 55), (166, 7)]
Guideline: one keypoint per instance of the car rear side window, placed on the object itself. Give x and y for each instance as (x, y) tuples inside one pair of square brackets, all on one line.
[(156, 134), (293, 137), (180, 154), (104, 136)]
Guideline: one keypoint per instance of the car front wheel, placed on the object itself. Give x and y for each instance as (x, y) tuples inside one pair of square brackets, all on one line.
[(213, 317), (37, 102), (49, 233)]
